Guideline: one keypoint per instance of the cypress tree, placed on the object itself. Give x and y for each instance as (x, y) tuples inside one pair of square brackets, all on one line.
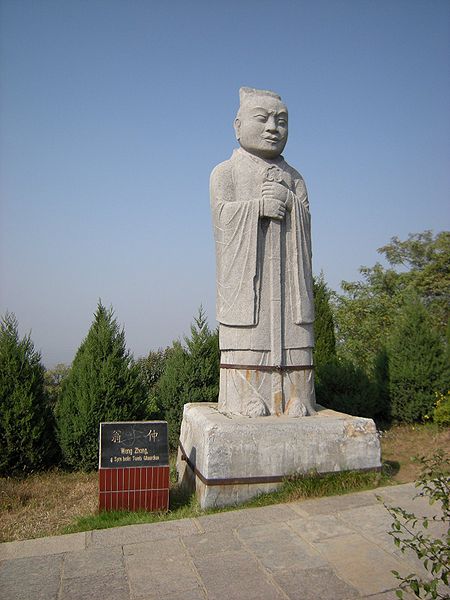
[(26, 423), (325, 343), (191, 374), (417, 367), (104, 384)]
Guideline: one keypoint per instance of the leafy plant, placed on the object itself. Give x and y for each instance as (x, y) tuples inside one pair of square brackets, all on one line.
[(343, 387), (191, 374), (416, 363), (325, 346), (26, 422), (104, 384), (366, 310), (410, 531), (442, 410)]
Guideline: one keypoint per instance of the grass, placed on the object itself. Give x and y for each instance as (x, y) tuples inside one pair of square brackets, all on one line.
[(298, 488), (57, 502)]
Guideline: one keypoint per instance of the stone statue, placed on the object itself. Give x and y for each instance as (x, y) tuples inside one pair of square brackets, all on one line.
[(265, 304)]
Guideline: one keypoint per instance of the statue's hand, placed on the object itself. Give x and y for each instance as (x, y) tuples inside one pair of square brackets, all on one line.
[(275, 190), (272, 208), (274, 198)]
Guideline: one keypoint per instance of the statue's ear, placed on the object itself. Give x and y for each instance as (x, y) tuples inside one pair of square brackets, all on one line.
[(237, 128)]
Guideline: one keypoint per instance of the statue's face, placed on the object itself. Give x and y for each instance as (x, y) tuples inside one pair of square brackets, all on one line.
[(262, 126)]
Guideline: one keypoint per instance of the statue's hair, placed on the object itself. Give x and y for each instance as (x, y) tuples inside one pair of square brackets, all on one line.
[(246, 93)]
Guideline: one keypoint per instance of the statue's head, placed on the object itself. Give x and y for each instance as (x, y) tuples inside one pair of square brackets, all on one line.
[(261, 124)]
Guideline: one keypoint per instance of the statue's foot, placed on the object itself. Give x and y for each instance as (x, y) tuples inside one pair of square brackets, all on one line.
[(299, 408), (255, 408)]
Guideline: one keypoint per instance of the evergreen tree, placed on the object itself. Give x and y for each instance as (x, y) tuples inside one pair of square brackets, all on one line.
[(151, 368), (367, 310), (26, 423), (325, 342), (103, 385), (191, 374), (346, 388), (417, 368)]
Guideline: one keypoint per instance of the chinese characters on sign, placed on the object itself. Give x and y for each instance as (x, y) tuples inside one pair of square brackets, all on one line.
[(133, 444)]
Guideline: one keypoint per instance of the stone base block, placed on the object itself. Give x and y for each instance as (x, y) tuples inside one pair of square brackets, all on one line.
[(230, 459)]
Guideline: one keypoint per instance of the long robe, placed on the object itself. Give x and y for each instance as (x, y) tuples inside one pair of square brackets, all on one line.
[(243, 253)]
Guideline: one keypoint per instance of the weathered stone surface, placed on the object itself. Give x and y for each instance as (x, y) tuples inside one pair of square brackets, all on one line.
[(214, 542), (243, 518), (360, 563), (150, 569), (37, 577), (224, 447), (44, 546), (336, 504), (101, 587), (141, 533), (265, 304), (236, 575), (312, 584), (278, 547), (92, 562), (320, 527)]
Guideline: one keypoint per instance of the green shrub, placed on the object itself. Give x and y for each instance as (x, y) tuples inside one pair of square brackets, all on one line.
[(381, 375), (343, 387), (325, 346), (416, 363), (26, 422), (191, 374), (411, 535), (151, 369), (441, 414), (103, 385)]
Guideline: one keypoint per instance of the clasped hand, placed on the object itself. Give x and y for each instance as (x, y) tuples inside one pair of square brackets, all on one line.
[(275, 198)]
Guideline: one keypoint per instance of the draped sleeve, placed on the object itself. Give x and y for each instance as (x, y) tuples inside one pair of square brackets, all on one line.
[(303, 307), (235, 225)]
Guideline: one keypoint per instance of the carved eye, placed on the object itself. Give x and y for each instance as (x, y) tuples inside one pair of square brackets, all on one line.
[(261, 118)]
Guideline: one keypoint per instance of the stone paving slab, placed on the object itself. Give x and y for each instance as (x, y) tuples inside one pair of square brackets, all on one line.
[(44, 546), (250, 516), (325, 549), (360, 563), (130, 534), (36, 578), (278, 547), (314, 584)]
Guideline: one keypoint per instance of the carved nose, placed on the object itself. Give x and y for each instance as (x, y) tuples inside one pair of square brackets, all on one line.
[(271, 124)]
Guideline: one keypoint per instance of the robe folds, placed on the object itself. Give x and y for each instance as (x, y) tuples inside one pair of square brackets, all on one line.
[(243, 255)]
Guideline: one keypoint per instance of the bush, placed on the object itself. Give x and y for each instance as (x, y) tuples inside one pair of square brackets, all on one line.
[(53, 383), (343, 387), (103, 385), (416, 364), (410, 531), (381, 374), (26, 421), (151, 369), (441, 414), (191, 374), (325, 346)]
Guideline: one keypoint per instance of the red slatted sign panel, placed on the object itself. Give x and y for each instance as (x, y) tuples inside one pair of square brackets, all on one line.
[(134, 466)]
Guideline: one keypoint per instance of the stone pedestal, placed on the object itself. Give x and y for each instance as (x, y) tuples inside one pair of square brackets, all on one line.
[(230, 459)]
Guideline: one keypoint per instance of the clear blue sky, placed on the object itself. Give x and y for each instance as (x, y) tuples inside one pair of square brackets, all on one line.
[(113, 113)]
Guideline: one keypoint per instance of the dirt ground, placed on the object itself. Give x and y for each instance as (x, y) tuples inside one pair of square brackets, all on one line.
[(43, 504), (400, 444)]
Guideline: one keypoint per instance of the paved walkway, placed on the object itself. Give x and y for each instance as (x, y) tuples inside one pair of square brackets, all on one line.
[(327, 549)]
